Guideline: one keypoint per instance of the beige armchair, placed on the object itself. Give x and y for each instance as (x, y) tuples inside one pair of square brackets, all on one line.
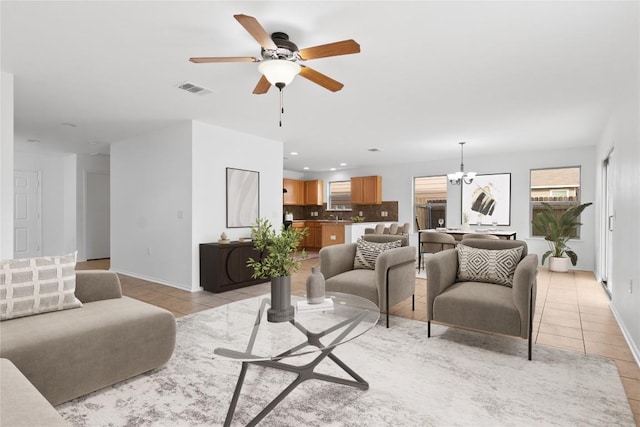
[(479, 305), (392, 281)]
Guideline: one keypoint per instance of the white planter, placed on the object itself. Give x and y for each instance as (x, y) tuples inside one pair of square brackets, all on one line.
[(559, 265)]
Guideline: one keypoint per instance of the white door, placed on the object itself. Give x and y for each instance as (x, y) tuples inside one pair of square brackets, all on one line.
[(609, 218), (97, 215), (27, 229)]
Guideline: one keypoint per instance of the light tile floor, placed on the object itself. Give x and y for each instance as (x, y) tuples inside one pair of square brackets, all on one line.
[(572, 313)]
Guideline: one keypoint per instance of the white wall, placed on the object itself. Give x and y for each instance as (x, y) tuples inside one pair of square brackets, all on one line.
[(397, 184), (623, 135), (6, 166), (86, 163), (58, 187), (215, 149), (168, 195), (151, 206)]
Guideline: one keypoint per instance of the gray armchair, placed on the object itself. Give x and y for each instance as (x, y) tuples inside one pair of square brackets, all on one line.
[(478, 305), (392, 281)]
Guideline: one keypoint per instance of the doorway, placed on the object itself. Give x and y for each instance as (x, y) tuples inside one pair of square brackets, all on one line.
[(609, 215), (27, 214), (98, 217)]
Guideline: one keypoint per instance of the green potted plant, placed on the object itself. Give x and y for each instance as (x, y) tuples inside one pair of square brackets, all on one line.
[(278, 262), (558, 228)]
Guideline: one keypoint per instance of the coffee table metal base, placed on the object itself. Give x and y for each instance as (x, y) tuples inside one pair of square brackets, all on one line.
[(305, 372)]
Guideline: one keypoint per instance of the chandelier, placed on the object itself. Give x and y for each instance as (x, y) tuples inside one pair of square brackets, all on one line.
[(457, 178)]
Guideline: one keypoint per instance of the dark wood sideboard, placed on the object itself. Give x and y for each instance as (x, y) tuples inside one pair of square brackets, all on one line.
[(223, 267)]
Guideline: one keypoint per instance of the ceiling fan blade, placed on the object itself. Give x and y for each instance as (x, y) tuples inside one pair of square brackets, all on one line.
[(344, 47), (254, 28), (262, 86), (320, 79), (223, 59)]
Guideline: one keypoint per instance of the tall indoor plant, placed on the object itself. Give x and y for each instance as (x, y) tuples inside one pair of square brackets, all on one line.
[(558, 228), (278, 262)]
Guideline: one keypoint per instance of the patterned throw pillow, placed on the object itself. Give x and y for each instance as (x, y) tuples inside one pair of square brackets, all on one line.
[(367, 253), (37, 285), (485, 265)]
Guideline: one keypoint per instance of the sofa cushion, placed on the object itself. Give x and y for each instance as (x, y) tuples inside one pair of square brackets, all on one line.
[(367, 252), (485, 265), (69, 353), (37, 285), (22, 405)]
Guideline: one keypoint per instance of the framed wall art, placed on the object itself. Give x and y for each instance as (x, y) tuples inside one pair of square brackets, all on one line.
[(487, 200), (243, 197)]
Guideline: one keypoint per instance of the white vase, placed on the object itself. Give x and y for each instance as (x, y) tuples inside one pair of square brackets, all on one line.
[(315, 286), (465, 226), (559, 264)]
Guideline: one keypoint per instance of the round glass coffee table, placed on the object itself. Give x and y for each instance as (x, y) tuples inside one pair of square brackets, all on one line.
[(249, 338)]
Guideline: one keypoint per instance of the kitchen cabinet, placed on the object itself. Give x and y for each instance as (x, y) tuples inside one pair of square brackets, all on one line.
[(314, 192), (366, 190), (295, 192), (313, 240), (332, 234)]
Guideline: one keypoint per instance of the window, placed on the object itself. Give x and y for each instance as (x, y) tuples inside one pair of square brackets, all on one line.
[(339, 195), (559, 187), (430, 201)]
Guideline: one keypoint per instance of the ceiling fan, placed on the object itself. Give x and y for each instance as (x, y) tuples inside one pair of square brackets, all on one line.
[(280, 58)]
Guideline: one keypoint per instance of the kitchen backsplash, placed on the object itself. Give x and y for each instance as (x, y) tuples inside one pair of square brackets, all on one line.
[(371, 213)]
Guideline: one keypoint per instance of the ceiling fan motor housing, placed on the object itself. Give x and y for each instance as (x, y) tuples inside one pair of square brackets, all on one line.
[(286, 49)]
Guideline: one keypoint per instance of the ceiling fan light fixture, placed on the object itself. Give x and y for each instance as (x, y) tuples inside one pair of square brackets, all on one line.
[(279, 71)]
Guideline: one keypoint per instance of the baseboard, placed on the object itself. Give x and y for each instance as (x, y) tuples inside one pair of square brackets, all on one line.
[(151, 279), (627, 336)]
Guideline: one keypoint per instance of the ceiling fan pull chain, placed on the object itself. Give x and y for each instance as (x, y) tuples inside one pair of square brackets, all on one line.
[(281, 106)]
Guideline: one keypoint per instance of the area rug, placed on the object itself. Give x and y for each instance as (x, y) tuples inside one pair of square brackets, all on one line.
[(454, 378)]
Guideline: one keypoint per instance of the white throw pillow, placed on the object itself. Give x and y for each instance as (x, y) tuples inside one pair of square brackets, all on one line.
[(367, 252), (37, 285), (488, 265)]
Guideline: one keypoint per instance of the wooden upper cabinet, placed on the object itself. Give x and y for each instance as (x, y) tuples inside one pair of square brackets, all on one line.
[(295, 192), (314, 192), (366, 190)]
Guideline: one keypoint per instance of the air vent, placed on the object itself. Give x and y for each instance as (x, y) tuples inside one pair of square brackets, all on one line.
[(191, 88)]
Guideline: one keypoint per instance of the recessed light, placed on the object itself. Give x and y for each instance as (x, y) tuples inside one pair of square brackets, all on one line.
[(71, 125), (332, 169), (294, 153), (375, 150), (93, 143), (343, 164), (306, 168), (33, 140)]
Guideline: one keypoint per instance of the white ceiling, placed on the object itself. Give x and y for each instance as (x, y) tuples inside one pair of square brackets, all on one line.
[(500, 75)]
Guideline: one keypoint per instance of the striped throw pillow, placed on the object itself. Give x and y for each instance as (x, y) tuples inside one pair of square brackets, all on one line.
[(367, 253), (485, 265), (37, 285)]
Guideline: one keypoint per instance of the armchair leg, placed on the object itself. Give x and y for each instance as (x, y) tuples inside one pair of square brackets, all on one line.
[(530, 321), (413, 302), (387, 297), (428, 328)]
